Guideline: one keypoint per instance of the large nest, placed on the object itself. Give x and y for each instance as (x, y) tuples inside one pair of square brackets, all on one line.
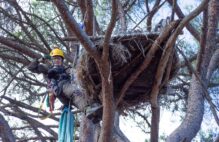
[(126, 55)]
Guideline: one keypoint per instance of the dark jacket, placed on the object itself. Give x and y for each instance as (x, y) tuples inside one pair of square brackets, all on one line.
[(55, 76), (50, 72)]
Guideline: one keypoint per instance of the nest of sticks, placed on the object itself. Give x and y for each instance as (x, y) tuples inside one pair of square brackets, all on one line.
[(127, 53)]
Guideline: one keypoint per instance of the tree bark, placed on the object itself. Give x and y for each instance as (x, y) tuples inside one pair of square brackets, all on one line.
[(193, 119), (104, 66), (155, 123), (118, 135), (5, 131), (122, 18), (151, 15), (87, 130), (89, 18)]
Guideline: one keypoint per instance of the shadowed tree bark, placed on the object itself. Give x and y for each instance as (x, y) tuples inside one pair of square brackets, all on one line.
[(5, 131)]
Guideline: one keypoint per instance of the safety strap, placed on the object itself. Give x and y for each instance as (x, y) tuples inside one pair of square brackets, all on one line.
[(45, 97), (41, 105)]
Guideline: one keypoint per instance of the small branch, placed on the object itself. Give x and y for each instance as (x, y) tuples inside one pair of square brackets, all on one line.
[(17, 6), (144, 118), (29, 107), (173, 10), (203, 39), (180, 14), (155, 123), (109, 31), (51, 28), (168, 69), (122, 17), (146, 17), (147, 6), (20, 114), (9, 83), (151, 14)]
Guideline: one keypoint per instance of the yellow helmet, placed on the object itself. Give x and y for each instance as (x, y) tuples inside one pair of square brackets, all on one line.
[(57, 52)]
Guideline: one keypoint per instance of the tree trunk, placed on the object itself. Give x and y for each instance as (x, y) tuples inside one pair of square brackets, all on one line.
[(155, 123), (192, 122), (118, 135), (87, 130), (217, 139), (90, 132), (5, 131), (104, 66), (108, 108)]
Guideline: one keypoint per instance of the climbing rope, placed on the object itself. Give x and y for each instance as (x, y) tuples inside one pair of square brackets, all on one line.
[(66, 126)]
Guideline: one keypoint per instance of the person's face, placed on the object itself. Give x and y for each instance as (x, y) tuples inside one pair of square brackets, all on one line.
[(57, 60)]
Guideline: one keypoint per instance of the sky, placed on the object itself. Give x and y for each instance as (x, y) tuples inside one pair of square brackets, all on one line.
[(167, 124)]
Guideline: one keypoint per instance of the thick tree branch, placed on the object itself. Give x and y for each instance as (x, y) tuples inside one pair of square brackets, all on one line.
[(213, 64), (109, 31), (51, 28), (74, 27), (89, 17), (20, 114), (107, 81), (29, 107), (18, 47), (180, 14), (5, 131)]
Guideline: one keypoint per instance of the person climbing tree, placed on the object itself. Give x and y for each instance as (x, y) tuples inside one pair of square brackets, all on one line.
[(60, 86)]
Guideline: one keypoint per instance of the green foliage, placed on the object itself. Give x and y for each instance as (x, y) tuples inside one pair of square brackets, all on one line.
[(206, 136)]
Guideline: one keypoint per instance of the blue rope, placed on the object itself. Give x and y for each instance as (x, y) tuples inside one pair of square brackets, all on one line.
[(66, 126)]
